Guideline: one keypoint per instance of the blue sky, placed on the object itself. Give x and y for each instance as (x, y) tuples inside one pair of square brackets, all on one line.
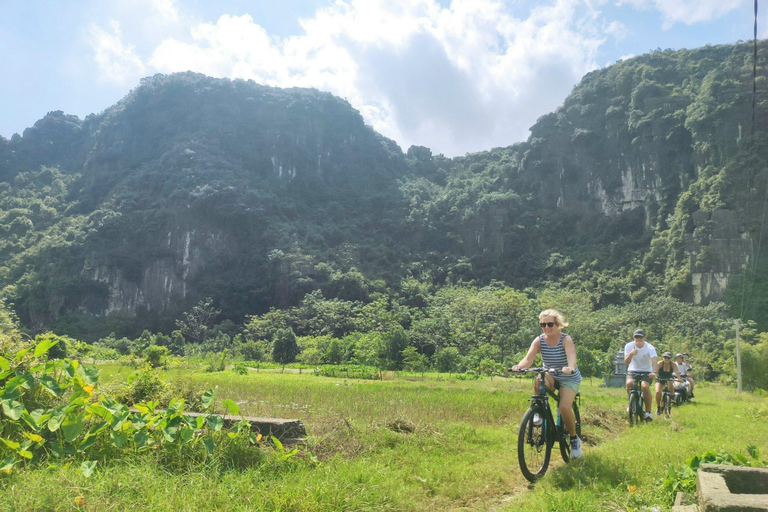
[(456, 76)]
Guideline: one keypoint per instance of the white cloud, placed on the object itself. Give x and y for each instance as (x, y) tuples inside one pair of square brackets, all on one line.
[(456, 79), (167, 9), (116, 61), (616, 29), (686, 11), (234, 46)]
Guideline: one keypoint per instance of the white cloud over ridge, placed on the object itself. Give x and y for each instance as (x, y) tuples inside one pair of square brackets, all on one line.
[(687, 12), (468, 77), (117, 62), (458, 79)]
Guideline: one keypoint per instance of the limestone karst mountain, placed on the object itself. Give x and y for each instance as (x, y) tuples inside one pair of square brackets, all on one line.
[(192, 187)]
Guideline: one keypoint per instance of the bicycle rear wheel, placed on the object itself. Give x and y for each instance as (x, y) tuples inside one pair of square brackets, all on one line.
[(565, 444), (534, 446)]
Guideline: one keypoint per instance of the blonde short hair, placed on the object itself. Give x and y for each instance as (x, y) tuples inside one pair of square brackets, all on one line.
[(558, 316)]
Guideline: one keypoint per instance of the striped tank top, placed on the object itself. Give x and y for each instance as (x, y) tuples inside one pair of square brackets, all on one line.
[(554, 357)]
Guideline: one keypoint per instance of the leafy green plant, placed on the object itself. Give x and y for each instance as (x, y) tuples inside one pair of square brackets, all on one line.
[(50, 410), (240, 368), (217, 362)]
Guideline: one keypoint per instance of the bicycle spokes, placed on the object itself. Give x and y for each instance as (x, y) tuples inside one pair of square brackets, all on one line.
[(533, 445)]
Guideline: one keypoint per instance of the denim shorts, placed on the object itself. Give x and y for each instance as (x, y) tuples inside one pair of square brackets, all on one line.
[(568, 384), (571, 385)]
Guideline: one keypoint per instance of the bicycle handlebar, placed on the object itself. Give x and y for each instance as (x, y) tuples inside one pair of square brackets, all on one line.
[(538, 369)]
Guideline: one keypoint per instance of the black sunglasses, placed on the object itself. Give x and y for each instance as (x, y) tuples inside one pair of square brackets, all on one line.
[(547, 324)]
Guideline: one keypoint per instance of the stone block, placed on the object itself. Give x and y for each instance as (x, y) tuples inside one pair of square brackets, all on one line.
[(288, 431), (723, 488)]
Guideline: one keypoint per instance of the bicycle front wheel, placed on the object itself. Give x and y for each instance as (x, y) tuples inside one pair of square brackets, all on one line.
[(667, 405), (534, 446), (635, 417)]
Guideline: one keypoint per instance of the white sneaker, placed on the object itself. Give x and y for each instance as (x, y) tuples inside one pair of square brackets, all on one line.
[(576, 448), (648, 416)]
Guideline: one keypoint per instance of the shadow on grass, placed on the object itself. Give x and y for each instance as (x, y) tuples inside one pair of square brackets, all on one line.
[(593, 470)]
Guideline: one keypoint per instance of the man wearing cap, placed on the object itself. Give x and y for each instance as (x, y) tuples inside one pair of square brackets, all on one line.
[(664, 371), (640, 357), (685, 370)]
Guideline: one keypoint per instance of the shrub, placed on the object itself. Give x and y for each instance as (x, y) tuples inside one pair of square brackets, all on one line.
[(156, 356), (350, 371), (145, 385), (240, 368)]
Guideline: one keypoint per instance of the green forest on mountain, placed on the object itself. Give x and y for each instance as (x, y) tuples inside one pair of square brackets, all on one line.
[(309, 228)]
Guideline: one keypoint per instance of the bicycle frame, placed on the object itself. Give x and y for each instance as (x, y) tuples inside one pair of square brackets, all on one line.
[(541, 399)]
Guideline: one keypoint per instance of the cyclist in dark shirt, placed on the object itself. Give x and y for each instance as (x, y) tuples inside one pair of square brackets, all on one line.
[(665, 369)]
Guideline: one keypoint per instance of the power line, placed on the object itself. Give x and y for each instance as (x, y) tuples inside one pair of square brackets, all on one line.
[(748, 284)]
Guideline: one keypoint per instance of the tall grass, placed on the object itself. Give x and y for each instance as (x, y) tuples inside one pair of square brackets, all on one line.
[(458, 451)]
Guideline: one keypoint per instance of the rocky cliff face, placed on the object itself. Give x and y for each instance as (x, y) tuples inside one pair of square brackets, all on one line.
[(640, 134), (728, 251), (164, 280)]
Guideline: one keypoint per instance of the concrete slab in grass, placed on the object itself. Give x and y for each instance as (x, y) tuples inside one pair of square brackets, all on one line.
[(723, 488)]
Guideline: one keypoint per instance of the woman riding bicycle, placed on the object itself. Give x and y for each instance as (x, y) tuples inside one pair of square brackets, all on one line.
[(665, 369), (557, 351)]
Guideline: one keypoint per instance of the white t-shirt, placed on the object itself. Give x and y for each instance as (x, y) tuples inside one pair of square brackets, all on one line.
[(682, 368), (641, 362)]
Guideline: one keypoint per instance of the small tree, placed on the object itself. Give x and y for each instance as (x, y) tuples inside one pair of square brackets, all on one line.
[(395, 341), (490, 367), (195, 323), (415, 362), (448, 360), (251, 350), (284, 347), (370, 351), (333, 352)]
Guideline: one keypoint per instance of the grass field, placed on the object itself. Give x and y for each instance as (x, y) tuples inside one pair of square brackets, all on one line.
[(411, 444)]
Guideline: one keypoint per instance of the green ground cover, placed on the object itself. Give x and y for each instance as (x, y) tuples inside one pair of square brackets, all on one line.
[(409, 444)]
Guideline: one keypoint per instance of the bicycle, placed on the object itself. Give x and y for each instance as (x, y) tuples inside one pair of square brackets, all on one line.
[(666, 397), (539, 431), (682, 392), (635, 409)]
